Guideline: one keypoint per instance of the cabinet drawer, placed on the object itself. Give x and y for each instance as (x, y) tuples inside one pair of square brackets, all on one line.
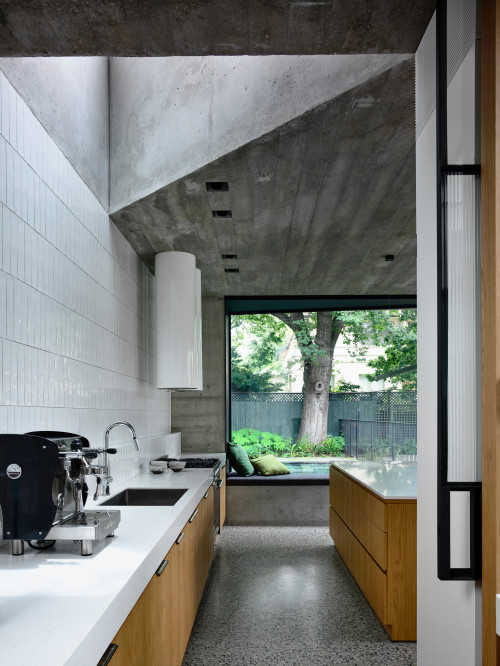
[(348, 498), (373, 508), (373, 539), (368, 575)]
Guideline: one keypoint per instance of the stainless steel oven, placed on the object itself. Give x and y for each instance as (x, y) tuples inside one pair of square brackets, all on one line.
[(217, 483)]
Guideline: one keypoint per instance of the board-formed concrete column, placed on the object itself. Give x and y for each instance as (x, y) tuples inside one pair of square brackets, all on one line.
[(200, 415)]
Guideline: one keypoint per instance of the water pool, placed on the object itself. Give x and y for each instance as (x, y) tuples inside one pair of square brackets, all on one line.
[(308, 467)]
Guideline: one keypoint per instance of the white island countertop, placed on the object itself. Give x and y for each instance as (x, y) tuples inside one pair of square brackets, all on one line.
[(390, 480), (57, 607)]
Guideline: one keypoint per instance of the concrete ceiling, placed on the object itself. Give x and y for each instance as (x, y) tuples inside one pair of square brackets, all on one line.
[(211, 27), (316, 204)]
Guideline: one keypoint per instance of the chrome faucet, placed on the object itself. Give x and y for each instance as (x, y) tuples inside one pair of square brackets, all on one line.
[(103, 488)]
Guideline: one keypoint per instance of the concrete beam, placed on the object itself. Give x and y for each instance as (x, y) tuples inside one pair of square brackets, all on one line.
[(208, 27)]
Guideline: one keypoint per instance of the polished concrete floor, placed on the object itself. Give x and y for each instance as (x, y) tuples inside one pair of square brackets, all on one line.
[(282, 595)]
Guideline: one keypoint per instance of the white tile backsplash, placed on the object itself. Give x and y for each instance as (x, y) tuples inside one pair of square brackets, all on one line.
[(76, 304)]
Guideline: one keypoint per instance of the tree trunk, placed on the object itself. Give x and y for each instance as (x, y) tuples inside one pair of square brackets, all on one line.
[(317, 371), (314, 418)]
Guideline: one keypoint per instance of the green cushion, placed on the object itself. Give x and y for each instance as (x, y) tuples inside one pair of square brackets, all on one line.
[(269, 465), (239, 460)]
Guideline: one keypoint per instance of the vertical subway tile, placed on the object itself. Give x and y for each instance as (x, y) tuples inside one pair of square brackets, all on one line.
[(24, 190), (30, 194), (20, 228), (12, 116), (6, 372), (3, 305), (4, 102), (14, 398), (6, 238), (2, 207), (3, 170), (14, 240), (19, 125), (9, 166), (17, 184)]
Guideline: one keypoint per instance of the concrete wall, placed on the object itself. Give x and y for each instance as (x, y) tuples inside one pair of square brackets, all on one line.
[(200, 415), (278, 505), (171, 116), (448, 612), (76, 303), (69, 97)]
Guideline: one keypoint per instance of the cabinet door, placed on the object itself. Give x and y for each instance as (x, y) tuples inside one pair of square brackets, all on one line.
[(207, 537), (202, 524), (187, 582), (167, 648), (134, 637)]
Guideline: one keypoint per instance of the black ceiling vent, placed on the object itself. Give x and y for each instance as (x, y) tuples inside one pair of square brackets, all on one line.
[(222, 213), (217, 186), (229, 256), (231, 270)]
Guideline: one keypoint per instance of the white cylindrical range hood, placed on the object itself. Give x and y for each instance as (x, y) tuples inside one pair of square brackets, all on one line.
[(198, 335), (178, 321)]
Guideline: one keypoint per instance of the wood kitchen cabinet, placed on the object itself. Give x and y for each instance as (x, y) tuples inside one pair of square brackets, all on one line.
[(157, 629), (377, 539)]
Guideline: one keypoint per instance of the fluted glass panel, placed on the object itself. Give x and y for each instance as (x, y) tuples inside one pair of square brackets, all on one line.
[(464, 327)]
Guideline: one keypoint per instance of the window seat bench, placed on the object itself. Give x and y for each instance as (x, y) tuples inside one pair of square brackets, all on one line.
[(293, 479), (296, 499)]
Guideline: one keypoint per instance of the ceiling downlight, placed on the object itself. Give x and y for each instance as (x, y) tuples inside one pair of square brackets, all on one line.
[(217, 186), (222, 213)]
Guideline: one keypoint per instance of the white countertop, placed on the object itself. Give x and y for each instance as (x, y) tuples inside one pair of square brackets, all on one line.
[(391, 480), (57, 607)]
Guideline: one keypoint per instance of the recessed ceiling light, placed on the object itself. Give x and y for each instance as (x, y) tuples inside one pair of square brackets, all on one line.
[(222, 213), (229, 256), (231, 270), (217, 186)]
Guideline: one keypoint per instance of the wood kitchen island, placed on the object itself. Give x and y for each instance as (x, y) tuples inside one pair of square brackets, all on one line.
[(373, 523)]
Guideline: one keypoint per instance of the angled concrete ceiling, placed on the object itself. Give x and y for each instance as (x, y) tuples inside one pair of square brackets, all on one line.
[(320, 194), (316, 204), (210, 27), (171, 116)]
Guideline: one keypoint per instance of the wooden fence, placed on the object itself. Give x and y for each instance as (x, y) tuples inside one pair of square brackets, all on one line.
[(280, 412)]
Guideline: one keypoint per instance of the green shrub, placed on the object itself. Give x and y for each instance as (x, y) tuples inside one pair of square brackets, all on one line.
[(257, 443), (408, 447)]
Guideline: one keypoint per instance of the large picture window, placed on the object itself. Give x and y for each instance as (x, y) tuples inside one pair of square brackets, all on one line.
[(310, 384)]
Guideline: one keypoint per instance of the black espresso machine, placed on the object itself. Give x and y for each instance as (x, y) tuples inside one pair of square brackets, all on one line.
[(43, 490)]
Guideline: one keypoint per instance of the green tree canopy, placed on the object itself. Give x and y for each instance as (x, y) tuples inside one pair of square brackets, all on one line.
[(261, 339), (400, 342)]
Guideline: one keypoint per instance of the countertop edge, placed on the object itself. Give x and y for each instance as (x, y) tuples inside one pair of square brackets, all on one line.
[(390, 499)]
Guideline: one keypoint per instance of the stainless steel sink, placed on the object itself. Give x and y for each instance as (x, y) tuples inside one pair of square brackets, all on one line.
[(146, 497)]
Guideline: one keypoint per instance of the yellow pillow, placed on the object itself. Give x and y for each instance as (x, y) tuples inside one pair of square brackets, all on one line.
[(269, 465)]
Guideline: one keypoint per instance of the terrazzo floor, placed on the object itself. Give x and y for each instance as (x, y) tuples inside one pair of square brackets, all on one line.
[(279, 596)]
